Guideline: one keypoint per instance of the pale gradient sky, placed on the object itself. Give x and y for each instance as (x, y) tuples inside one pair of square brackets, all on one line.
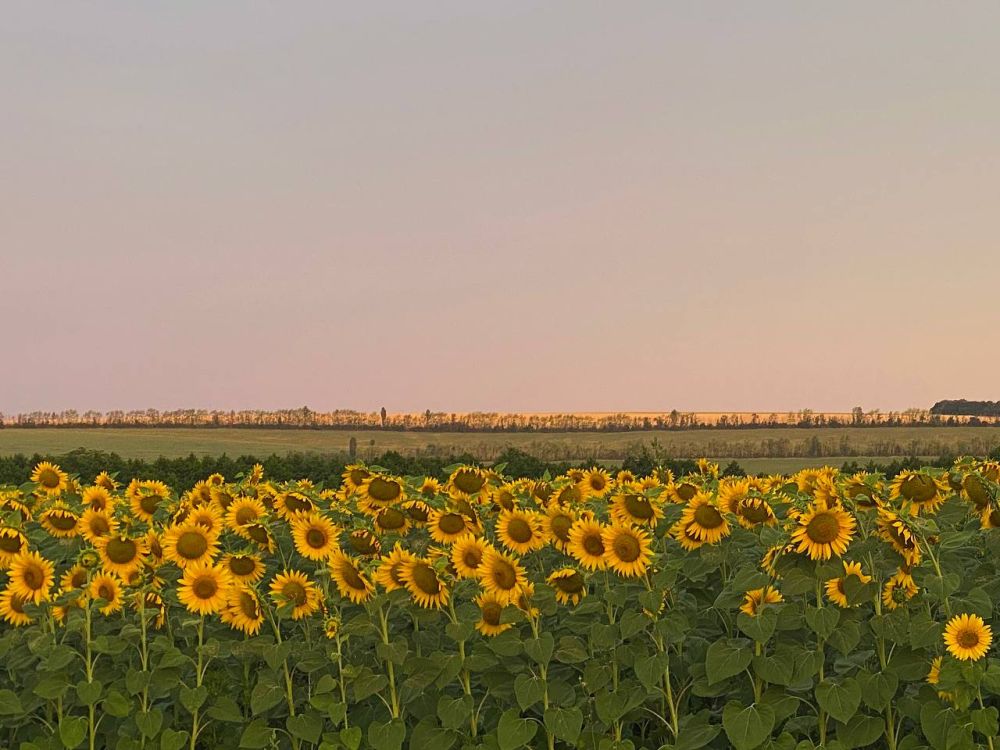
[(499, 206)]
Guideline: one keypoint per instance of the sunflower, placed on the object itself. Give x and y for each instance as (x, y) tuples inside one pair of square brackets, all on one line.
[(490, 614), (989, 517), (755, 600), (50, 478), (898, 589), (31, 577), (634, 508), (209, 517), (702, 520), (523, 600), (145, 498), (354, 475), (685, 536), (98, 498), (967, 637), (288, 504), (351, 581), (467, 555), (106, 481), (244, 568), (12, 543), (259, 534), (586, 544), (73, 579), (12, 608), (896, 531), (835, 590), (707, 468), (388, 575), (392, 521), (502, 576), (244, 511), (568, 584), (107, 587), (976, 490), (422, 581), (864, 490), (934, 676), (365, 543), (466, 481), (417, 511), (520, 531), (626, 550), (188, 543), (807, 479), (429, 488), (596, 482), (922, 491), (824, 531), (95, 524), (204, 587), (732, 492), (624, 476), (556, 523), (755, 511), (446, 526), (315, 536), (568, 496), (540, 491), (60, 522), (242, 610), (256, 474), (379, 491), (11, 501), (504, 497)]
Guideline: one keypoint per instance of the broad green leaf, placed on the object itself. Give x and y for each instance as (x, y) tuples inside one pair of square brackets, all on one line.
[(306, 726), (747, 726), (388, 735), (860, 731), (726, 657), (72, 730), (513, 731), (839, 699), (564, 723)]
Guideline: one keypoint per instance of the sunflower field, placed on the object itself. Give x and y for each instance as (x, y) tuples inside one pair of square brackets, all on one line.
[(587, 610)]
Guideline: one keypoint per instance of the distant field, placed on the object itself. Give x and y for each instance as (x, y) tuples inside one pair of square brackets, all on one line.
[(774, 449)]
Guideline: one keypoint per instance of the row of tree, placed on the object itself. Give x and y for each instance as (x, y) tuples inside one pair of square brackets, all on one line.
[(962, 407), (344, 419)]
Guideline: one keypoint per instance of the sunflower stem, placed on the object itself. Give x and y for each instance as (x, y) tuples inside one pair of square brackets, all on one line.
[(389, 668), (197, 679), (91, 727)]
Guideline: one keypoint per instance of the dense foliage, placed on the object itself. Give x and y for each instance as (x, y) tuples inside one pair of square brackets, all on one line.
[(962, 407), (582, 610)]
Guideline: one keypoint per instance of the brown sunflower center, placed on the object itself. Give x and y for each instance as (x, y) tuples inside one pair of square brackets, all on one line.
[(685, 491), (967, 638), (205, 588), (451, 523), (78, 579), (754, 511), (593, 544), (597, 482), (243, 565), (469, 482), (297, 503), (391, 519), (425, 579), (33, 577), (519, 530), (505, 500), (11, 544), (570, 584), (823, 528), (491, 613), (192, 545), (358, 476), (472, 557), (352, 577), (626, 547), (503, 575), (258, 533), (121, 551), (248, 605), (149, 503), (418, 512), (570, 495), (106, 591), (99, 525), (918, 488), (49, 478), (316, 538), (560, 526), (364, 543), (639, 507), (384, 490), (62, 520), (245, 514), (708, 517), (976, 490)]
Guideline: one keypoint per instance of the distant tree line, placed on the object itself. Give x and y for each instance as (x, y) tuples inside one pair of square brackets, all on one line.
[(962, 407), (345, 419)]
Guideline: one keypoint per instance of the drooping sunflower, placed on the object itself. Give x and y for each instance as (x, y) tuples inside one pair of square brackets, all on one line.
[(896, 531), (685, 536), (121, 554), (976, 490), (73, 579), (354, 475), (243, 611), (569, 585), (12, 543), (923, 492), (704, 521), (823, 531), (417, 511), (467, 555), (351, 581), (12, 608), (569, 495), (95, 524), (31, 577), (596, 482), (757, 599), (204, 587), (898, 589), (429, 488), (60, 522), (627, 550), (835, 590), (98, 498), (106, 481), (388, 575), (586, 544), (490, 615), (146, 497), (244, 568), (502, 575), (11, 501), (50, 478), (259, 534), (423, 583), (864, 490), (379, 491), (755, 511), (989, 517), (315, 536), (188, 543), (107, 587), (504, 497), (243, 511), (289, 504), (635, 508), (365, 543), (445, 526), (520, 531), (967, 637), (466, 481), (391, 521)]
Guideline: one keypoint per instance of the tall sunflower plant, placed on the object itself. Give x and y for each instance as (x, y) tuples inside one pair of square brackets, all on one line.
[(594, 610)]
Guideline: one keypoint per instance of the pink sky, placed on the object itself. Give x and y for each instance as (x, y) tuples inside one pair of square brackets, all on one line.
[(506, 206)]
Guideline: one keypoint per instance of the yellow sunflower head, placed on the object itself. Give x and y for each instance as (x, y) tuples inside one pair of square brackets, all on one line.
[(491, 610), (423, 583), (502, 576), (967, 637), (204, 587), (50, 478), (31, 576), (188, 543), (520, 531), (757, 599), (315, 536), (703, 520), (467, 555), (627, 550), (823, 531), (351, 582), (568, 584), (586, 544)]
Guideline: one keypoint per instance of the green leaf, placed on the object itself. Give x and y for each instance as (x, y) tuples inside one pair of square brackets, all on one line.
[(89, 692), (761, 627), (877, 689), (149, 722), (72, 730), (193, 698), (860, 731), (936, 721), (226, 709), (426, 734), (173, 740), (984, 721), (822, 620), (747, 727), (265, 696), (307, 726), (351, 737), (540, 649), (776, 668), (564, 723), (513, 731), (454, 712), (650, 671), (387, 736), (117, 705), (258, 734), (839, 699), (726, 657), (571, 650), (528, 690)]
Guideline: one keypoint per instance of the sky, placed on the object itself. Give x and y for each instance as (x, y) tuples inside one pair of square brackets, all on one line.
[(517, 206)]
